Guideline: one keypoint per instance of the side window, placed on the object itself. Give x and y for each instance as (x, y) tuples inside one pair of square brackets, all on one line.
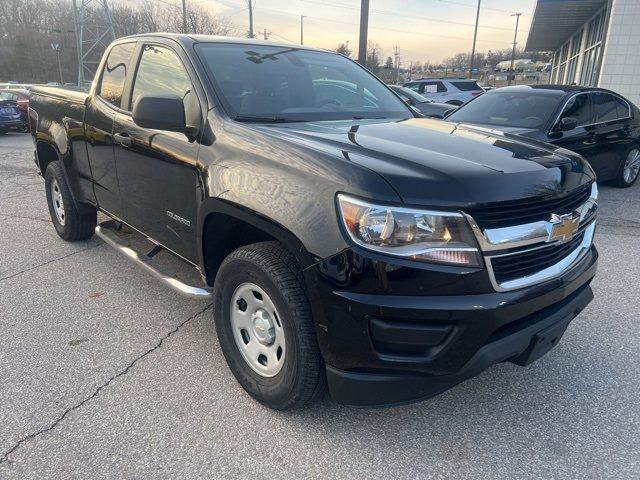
[(434, 87), (115, 72), (578, 107), (161, 71), (622, 108), (606, 107), (413, 86)]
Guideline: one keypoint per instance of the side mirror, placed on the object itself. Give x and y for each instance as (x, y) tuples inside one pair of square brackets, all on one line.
[(568, 123), (160, 112)]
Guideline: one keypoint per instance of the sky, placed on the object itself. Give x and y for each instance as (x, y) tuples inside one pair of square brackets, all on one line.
[(424, 30)]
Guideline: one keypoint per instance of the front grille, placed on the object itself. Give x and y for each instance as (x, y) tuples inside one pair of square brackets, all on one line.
[(517, 212), (519, 265)]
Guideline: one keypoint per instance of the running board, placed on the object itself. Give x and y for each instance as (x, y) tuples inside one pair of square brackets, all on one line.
[(111, 233)]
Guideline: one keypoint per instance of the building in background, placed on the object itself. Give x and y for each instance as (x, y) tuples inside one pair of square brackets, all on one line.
[(596, 42)]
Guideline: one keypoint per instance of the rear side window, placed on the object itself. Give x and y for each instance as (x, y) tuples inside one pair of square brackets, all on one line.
[(578, 107), (608, 107), (434, 87), (466, 86), (115, 73), (161, 71)]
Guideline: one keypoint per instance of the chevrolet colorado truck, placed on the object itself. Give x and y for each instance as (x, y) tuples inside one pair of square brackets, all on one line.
[(343, 240)]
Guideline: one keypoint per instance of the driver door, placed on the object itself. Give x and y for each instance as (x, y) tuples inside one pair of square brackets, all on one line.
[(581, 139)]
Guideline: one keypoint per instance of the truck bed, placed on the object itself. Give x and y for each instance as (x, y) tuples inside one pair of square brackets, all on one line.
[(68, 94)]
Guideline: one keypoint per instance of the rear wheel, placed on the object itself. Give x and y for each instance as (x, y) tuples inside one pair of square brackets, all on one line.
[(265, 327), (629, 169), (72, 222)]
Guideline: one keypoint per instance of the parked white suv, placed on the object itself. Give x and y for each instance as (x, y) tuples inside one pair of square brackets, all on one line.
[(454, 91)]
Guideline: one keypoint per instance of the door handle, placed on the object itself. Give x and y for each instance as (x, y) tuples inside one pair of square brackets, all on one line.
[(123, 139), (590, 140)]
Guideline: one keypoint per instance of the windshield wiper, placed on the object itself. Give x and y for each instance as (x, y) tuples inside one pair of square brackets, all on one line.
[(369, 118), (266, 119)]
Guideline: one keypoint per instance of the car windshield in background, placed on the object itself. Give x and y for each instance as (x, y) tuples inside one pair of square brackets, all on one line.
[(466, 86), (407, 92), (270, 83), (508, 109)]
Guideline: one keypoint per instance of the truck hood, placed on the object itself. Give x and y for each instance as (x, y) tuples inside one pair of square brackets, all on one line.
[(431, 162)]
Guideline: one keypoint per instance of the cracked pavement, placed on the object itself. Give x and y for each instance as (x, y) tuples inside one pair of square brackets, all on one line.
[(105, 373)]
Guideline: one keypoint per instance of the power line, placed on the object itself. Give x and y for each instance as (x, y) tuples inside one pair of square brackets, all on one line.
[(404, 15), (452, 2), (387, 29)]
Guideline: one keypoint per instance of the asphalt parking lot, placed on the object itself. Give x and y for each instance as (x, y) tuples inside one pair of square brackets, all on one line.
[(105, 373)]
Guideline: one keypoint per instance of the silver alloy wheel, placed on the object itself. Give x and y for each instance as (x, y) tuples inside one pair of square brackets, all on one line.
[(257, 329), (631, 166), (56, 201)]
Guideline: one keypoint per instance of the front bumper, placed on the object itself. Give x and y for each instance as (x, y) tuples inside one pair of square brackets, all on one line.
[(383, 348), (11, 124)]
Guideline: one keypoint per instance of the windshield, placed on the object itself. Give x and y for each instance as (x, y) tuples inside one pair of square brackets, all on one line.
[(271, 83), (508, 109)]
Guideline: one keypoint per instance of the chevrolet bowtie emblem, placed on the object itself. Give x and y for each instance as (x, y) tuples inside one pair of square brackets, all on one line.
[(563, 226)]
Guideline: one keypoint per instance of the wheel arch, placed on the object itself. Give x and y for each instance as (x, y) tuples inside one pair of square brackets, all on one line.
[(46, 153), (224, 226)]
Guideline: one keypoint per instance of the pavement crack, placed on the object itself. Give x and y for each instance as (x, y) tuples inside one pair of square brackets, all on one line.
[(5, 456), (48, 262), (25, 217)]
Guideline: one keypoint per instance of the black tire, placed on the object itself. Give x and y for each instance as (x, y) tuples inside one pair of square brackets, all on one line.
[(79, 220), (620, 180), (302, 376)]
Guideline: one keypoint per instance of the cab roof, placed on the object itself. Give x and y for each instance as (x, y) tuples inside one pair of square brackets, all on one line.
[(190, 39)]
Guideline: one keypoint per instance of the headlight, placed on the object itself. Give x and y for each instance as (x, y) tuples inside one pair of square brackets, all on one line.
[(439, 237)]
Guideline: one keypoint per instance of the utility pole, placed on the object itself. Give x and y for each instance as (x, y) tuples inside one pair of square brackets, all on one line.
[(251, 19), (184, 16), (364, 30), (513, 52), (475, 36), (302, 17)]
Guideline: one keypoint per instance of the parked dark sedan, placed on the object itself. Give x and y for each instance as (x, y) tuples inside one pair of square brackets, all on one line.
[(427, 107), (599, 124)]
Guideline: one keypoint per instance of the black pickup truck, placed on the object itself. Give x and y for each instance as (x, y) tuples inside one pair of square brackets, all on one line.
[(342, 239)]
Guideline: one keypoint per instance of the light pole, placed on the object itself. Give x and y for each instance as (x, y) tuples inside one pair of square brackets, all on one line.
[(475, 36), (364, 27), (56, 48), (251, 19), (513, 51), (302, 17), (184, 16)]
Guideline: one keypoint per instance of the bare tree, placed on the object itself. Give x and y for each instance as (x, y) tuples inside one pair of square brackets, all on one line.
[(28, 28)]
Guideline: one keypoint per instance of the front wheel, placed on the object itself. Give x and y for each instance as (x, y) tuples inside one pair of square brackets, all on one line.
[(629, 169), (72, 222), (265, 327)]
